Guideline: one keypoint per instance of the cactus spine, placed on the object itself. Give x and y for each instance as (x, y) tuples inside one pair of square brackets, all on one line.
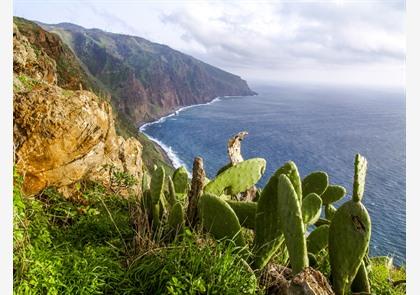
[(349, 234)]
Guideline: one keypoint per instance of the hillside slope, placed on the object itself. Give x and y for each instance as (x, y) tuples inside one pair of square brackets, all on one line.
[(146, 80)]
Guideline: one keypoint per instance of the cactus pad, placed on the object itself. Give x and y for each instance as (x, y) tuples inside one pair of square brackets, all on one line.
[(330, 211), (316, 182), (291, 171), (245, 211), (332, 194), (237, 178), (311, 208), (176, 217), (360, 169), (348, 242), (180, 180), (268, 234), (157, 184), (218, 218), (318, 239)]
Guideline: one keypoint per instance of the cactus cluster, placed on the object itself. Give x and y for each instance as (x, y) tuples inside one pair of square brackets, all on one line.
[(285, 215), (164, 198)]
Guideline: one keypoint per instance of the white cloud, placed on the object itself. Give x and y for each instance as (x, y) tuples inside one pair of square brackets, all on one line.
[(335, 41)]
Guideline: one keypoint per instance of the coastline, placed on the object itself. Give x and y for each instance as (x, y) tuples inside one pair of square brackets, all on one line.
[(169, 153)]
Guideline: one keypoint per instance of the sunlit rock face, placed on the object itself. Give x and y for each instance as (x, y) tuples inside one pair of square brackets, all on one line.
[(62, 136)]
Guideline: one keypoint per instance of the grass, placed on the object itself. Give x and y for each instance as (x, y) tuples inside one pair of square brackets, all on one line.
[(193, 265), (64, 246)]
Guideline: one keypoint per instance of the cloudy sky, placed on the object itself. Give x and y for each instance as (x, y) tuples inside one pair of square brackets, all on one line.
[(340, 42)]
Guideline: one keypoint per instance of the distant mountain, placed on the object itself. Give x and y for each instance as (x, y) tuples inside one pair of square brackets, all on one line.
[(146, 80)]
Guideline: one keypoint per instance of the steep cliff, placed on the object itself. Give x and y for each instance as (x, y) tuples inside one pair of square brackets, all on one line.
[(146, 80), (62, 135)]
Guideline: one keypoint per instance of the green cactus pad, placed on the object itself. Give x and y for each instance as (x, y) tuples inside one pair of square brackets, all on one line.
[(316, 182), (171, 196), (156, 214), (176, 217), (227, 166), (180, 180), (360, 169), (278, 214), (322, 221), (311, 208), (268, 234), (348, 242), (292, 224), (330, 211), (237, 178), (361, 283), (218, 218), (245, 211), (318, 239), (332, 194), (290, 170), (157, 184), (145, 184)]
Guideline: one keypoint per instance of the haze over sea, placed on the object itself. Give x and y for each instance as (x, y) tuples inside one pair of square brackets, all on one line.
[(319, 128)]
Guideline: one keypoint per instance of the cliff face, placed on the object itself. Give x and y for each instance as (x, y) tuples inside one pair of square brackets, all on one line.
[(61, 135), (146, 80)]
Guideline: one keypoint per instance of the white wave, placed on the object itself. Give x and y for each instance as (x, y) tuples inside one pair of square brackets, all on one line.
[(173, 157), (176, 113)]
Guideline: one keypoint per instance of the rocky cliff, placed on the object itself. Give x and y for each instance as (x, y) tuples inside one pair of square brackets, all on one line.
[(62, 135), (146, 80)]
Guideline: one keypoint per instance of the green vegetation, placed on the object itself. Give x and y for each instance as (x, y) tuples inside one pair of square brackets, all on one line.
[(101, 243)]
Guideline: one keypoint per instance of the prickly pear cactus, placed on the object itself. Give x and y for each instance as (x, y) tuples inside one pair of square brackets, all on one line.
[(291, 171), (157, 184), (349, 234), (218, 218), (245, 211), (360, 169), (316, 182), (279, 213), (268, 234), (311, 208), (176, 217), (171, 196), (180, 180), (330, 211), (292, 225), (318, 239), (238, 178), (332, 194), (360, 283), (145, 184)]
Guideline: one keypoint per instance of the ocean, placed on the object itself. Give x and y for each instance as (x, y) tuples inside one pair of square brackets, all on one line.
[(319, 128)]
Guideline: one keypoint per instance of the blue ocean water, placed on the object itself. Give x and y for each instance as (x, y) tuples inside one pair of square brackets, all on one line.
[(319, 128)]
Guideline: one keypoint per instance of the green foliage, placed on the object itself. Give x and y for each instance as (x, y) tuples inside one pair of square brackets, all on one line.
[(382, 279), (193, 265), (318, 239), (64, 247)]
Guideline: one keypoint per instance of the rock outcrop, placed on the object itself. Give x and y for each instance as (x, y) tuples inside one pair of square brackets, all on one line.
[(62, 136), (147, 80)]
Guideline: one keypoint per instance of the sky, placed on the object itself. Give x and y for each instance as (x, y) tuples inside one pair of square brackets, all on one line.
[(335, 42)]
